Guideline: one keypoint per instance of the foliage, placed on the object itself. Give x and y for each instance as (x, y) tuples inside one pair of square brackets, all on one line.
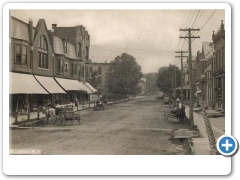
[(94, 79), (165, 76), (124, 74), (151, 82)]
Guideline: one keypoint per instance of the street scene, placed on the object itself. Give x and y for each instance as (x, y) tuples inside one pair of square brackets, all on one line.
[(107, 82)]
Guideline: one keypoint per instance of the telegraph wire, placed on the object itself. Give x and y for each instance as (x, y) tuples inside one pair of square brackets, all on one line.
[(195, 18)]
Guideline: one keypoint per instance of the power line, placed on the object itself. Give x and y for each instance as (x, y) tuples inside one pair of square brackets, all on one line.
[(191, 18), (195, 18), (199, 18), (205, 23), (208, 19)]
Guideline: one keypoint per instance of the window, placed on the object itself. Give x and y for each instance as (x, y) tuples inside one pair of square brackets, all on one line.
[(82, 71), (99, 70), (220, 58), (58, 65), (42, 53), (87, 53), (79, 70), (79, 49), (66, 67), (20, 54), (62, 66), (223, 56), (71, 68)]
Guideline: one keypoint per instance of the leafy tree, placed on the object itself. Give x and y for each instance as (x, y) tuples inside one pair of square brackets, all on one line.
[(151, 82), (94, 80), (164, 78), (124, 74)]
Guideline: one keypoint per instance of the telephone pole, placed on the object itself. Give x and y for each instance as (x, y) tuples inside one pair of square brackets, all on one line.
[(175, 84), (181, 71), (190, 37)]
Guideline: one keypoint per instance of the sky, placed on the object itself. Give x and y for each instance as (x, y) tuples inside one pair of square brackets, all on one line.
[(151, 36)]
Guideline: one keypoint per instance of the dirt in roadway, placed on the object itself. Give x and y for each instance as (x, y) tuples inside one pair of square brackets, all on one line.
[(135, 127)]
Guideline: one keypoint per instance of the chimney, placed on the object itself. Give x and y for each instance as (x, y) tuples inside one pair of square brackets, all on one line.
[(213, 35), (52, 38), (54, 26), (30, 31), (222, 25)]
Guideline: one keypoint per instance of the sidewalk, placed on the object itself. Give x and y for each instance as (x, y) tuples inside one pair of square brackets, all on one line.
[(33, 115), (201, 145)]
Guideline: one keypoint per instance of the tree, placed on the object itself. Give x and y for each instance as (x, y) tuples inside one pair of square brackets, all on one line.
[(151, 82), (94, 80), (123, 76), (164, 78)]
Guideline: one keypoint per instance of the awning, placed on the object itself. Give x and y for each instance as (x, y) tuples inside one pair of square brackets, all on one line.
[(83, 86), (184, 87), (70, 85), (24, 84), (50, 84), (209, 68), (91, 87)]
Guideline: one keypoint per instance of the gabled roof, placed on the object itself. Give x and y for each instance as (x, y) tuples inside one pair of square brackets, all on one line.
[(39, 24), (58, 48), (206, 48), (19, 29)]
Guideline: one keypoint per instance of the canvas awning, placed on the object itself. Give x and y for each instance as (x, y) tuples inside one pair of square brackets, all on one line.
[(184, 87), (24, 84), (85, 88), (91, 87), (70, 85), (50, 84)]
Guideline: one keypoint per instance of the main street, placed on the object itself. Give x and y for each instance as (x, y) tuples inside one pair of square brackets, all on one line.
[(128, 128)]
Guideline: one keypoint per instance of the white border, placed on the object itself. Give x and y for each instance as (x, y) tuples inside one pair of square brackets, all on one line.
[(114, 165)]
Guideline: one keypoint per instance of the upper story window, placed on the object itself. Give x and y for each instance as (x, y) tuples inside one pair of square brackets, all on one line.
[(42, 43), (79, 49), (42, 53), (64, 44), (99, 70), (20, 54), (87, 53)]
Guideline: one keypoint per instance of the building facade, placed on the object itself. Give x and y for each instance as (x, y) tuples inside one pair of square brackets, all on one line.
[(101, 70), (218, 68), (45, 66)]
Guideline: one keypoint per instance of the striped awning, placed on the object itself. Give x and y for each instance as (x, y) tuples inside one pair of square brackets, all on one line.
[(24, 84), (50, 84)]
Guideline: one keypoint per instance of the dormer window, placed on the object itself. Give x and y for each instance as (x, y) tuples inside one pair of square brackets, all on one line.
[(42, 53)]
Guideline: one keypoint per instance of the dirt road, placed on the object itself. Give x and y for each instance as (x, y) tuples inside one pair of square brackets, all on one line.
[(129, 128)]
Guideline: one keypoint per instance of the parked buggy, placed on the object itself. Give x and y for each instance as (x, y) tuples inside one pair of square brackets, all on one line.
[(67, 113), (176, 113)]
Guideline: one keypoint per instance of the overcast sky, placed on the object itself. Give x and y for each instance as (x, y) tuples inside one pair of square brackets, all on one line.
[(151, 36)]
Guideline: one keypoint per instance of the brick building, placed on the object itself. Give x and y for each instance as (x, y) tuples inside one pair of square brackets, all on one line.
[(45, 66), (218, 68), (101, 78)]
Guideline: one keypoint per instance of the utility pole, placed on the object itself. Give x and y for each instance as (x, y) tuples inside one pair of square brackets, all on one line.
[(181, 71), (172, 86), (175, 84), (190, 37)]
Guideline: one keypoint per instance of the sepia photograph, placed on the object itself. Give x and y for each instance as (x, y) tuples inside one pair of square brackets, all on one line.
[(108, 81), (116, 82)]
